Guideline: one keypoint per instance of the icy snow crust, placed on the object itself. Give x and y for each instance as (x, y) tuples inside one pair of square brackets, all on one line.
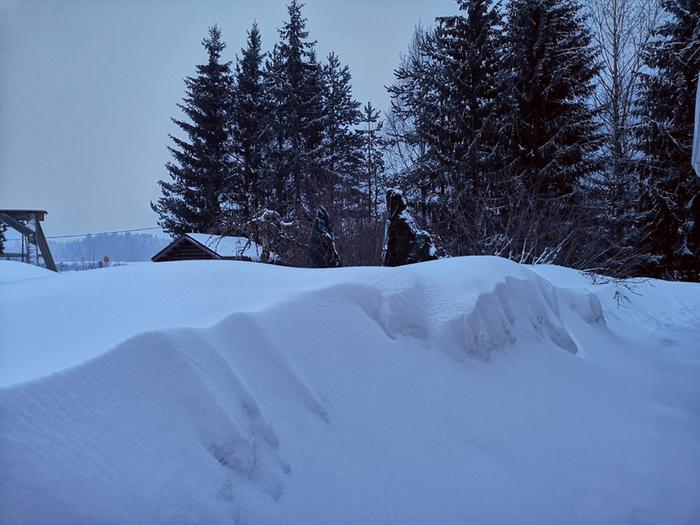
[(461, 390)]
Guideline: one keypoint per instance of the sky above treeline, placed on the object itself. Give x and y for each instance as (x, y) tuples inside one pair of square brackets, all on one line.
[(88, 88)]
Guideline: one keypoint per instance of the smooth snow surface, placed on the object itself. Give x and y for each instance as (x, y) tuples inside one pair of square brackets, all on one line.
[(466, 390), (11, 272)]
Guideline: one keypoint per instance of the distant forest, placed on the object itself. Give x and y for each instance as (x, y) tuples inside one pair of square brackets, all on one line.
[(544, 131), (119, 247)]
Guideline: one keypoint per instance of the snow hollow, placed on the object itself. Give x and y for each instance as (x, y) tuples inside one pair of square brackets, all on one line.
[(465, 390)]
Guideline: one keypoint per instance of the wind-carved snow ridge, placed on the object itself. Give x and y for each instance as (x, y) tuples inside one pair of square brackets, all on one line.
[(150, 395), (517, 308), (214, 394), (236, 360)]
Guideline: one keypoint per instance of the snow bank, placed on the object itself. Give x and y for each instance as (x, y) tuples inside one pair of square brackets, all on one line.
[(11, 271), (462, 389)]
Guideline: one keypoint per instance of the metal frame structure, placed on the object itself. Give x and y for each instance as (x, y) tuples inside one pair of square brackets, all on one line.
[(28, 223)]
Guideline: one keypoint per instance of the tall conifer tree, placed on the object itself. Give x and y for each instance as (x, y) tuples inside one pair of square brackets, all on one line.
[(251, 133), (469, 58), (294, 81), (446, 88), (671, 192), (467, 53), (373, 145), (202, 164), (550, 134), (340, 185)]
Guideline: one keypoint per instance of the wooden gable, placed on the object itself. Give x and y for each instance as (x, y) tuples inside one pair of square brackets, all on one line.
[(184, 248)]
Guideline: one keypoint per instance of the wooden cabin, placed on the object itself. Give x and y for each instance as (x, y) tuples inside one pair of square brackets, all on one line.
[(194, 246)]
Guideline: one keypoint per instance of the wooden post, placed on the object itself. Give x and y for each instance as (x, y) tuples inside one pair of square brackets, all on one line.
[(44, 247)]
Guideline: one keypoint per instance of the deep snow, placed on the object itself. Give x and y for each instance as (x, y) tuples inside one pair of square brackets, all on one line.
[(461, 390)]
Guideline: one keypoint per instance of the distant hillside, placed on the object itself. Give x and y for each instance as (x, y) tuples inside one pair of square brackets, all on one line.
[(123, 247)]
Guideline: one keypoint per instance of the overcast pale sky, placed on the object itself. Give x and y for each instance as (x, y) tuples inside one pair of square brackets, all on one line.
[(87, 89)]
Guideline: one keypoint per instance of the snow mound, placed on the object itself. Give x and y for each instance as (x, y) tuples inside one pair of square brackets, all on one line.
[(245, 393), (525, 309), (12, 271)]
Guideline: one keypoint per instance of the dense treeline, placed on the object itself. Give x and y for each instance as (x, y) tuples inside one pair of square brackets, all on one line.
[(269, 141), (539, 130)]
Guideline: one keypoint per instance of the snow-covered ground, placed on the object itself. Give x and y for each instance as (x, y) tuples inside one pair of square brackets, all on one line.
[(466, 390)]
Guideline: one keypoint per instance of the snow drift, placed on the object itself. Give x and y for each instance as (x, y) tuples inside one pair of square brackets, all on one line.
[(463, 389)]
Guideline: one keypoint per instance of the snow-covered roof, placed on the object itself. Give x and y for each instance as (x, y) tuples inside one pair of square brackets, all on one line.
[(225, 246)]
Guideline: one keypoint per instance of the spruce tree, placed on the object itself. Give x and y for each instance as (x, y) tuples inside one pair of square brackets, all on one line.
[(670, 226), (295, 85), (550, 133), (341, 155), (251, 133), (469, 57), (372, 163), (202, 166), (447, 87), (294, 80)]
